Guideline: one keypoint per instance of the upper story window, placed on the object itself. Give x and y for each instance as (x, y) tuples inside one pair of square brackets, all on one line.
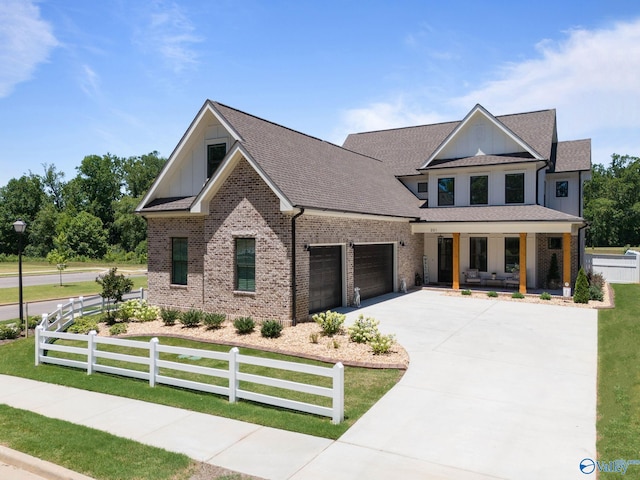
[(215, 155), (514, 188), (479, 190), (446, 188), (562, 188), (423, 187), (179, 261)]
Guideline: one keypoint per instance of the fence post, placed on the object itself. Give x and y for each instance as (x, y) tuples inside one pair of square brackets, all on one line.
[(141, 293), (338, 393), (73, 309), (45, 320), (39, 330), (81, 300), (234, 367), (91, 351), (59, 315), (153, 361)]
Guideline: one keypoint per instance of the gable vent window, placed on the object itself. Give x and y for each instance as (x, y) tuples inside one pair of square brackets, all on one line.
[(215, 155), (423, 187), (562, 188)]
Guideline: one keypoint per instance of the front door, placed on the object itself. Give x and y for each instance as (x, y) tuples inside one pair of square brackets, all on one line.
[(445, 260)]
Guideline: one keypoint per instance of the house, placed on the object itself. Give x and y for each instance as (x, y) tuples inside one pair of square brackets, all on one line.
[(252, 218)]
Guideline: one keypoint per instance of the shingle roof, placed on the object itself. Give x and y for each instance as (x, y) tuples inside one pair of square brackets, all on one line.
[(573, 156), (314, 173), (406, 149), (478, 160), (169, 204), (501, 213)]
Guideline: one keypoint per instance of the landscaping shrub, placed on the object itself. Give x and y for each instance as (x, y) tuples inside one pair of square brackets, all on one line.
[(466, 292), (33, 322), (191, 318), (596, 279), (313, 338), (596, 293), (213, 320), (83, 325), (9, 331), (118, 329), (517, 295), (381, 344), (169, 316), (545, 296), (581, 292), (244, 325), (492, 294), (138, 310), (330, 322), (271, 329), (364, 329)]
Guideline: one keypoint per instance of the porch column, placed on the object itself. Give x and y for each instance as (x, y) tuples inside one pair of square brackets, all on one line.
[(566, 259), (456, 261), (523, 263)]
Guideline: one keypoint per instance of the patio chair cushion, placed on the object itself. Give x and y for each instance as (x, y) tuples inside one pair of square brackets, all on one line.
[(473, 276)]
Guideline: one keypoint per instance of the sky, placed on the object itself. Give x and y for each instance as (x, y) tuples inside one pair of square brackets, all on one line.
[(127, 77)]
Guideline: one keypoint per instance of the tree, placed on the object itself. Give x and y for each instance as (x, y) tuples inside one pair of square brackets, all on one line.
[(140, 172), (42, 232), (59, 259), (581, 292), (114, 287), (128, 229), (53, 183), (20, 198), (82, 235)]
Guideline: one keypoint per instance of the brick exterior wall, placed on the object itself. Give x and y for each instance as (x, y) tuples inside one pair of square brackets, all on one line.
[(246, 207), (544, 259)]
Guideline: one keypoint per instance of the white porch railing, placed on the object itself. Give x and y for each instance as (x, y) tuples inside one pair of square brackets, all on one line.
[(44, 343)]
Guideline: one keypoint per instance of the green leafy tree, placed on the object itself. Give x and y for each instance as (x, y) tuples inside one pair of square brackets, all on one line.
[(42, 232), (114, 287), (128, 228), (140, 172), (53, 183), (20, 198), (59, 259), (82, 235), (581, 292)]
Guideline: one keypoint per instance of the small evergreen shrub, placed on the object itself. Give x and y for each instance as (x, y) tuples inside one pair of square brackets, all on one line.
[(191, 318), (545, 296), (492, 294), (466, 292), (83, 325), (364, 329), (313, 338), (381, 344), (169, 316), (244, 325), (517, 295), (330, 322), (213, 321), (118, 329), (271, 329), (9, 331), (335, 343), (596, 293), (581, 291), (553, 277)]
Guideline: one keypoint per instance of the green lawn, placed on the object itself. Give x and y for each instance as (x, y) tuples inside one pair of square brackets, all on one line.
[(55, 291), (618, 422), (363, 387)]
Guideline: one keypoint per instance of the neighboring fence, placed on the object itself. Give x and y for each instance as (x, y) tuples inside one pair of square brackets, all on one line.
[(65, 314), (616, 268), (153, 349)]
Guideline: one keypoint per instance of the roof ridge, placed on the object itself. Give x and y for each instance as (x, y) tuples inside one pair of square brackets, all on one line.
[(296, 131)]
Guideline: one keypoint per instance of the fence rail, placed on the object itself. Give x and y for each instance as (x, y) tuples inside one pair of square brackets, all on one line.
[(233, 376)]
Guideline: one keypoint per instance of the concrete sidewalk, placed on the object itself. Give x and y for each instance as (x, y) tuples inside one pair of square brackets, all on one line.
[(495, 389)]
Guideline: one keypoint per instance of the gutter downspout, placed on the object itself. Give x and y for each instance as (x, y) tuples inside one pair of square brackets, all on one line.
[(544, 193), (294, 287)]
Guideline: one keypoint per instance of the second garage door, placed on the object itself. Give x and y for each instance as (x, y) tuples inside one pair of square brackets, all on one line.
[(325, 278), (373, 269)]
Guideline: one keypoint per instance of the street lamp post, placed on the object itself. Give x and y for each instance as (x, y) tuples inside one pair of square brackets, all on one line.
[(20, 227)]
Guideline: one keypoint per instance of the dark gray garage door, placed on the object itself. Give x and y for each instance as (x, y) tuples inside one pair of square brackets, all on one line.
[(325, 278), (373, 269)]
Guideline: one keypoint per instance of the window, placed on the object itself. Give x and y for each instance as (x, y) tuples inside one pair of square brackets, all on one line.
[(446, 191), (423, 187), (478, 253), (554, 243), (562, 188), (215, 155), (511, 254), (179, 261), (479, 190), (514, 188), (246, 264)]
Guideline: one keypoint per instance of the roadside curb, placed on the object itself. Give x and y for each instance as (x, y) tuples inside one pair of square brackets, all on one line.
[(48, 470)]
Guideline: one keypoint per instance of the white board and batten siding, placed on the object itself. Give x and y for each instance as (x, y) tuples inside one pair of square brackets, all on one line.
[(616, 268)]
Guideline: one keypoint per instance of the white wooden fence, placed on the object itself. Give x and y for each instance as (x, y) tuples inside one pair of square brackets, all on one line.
[(91, 363), (66, 313), (616, 268)]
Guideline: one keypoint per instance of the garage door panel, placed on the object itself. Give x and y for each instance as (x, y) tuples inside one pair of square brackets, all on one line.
[(325, 278), (373, 269)]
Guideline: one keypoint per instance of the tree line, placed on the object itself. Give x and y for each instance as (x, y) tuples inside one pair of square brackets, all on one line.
[(612, 203), (88, 217)]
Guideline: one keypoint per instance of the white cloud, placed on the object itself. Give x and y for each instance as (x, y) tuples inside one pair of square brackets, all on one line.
[(25, 41), (170, 33), (90, 81), (591, 77)]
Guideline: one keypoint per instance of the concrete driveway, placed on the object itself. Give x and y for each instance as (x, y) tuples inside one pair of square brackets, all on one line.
[(495, 389)]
